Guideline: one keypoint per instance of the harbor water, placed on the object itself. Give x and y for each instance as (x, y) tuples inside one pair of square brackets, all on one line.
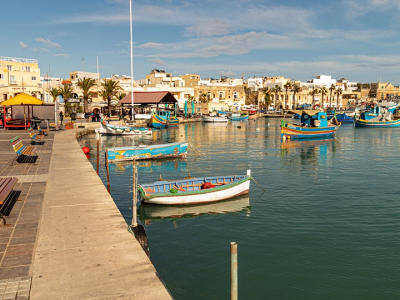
[(323, 222)]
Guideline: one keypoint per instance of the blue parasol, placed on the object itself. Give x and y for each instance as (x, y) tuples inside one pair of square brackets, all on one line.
[(186, 108), (193, 112)]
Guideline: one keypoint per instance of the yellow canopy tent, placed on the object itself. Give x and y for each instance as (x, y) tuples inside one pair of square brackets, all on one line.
[(20, 99)]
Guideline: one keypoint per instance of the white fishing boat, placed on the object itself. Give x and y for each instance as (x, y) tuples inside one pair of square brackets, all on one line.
[(214, 119), (108, 129), (195, 190)]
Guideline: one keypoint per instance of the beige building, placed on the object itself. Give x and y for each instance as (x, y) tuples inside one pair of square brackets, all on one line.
[(18, 75), (384, 91)]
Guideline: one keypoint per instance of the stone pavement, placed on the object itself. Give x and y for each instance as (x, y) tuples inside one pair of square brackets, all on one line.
[(65, 238), (22, 214)]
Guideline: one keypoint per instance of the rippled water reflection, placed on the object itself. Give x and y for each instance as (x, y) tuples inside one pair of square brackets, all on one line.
[(327, 226)]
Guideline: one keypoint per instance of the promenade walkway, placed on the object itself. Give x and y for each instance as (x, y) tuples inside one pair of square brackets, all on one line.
[(66, 239)]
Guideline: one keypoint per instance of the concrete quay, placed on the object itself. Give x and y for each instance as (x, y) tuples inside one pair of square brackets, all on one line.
[(65, 237)]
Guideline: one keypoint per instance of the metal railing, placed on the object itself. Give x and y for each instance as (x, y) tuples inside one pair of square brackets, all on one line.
[(14, 59)]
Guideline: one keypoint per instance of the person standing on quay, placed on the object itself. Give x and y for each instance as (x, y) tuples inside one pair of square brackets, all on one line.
[(61, 118)]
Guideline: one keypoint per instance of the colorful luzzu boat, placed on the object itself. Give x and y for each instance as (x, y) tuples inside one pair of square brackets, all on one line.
[(139, 152), (163, 119), (108, 129), (313, 124), (384, 120)]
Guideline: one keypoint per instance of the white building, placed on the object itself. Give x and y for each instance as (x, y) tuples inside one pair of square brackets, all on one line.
[(322, 81)]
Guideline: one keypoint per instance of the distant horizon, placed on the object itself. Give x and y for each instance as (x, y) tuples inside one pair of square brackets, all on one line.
[(353, 39)]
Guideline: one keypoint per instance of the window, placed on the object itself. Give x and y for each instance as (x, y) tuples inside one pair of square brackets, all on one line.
[(1, 76), (27, 69), (12, 79), (235, 95), (9, 67), (33, 77), (220, 95)]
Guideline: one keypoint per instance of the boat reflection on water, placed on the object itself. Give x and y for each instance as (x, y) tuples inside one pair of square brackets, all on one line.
[(149, 213), (154, 166), (286, 145)]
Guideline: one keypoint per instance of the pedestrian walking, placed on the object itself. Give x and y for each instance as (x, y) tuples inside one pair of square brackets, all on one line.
[(61, 118)]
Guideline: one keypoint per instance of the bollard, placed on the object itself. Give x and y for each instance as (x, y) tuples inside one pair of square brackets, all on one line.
[(98, 153), (234, 271), (108, 174), (134, 198)]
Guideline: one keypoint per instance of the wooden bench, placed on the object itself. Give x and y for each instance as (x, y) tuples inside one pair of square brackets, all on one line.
[(36, 138), (24, 153), (6, 186)]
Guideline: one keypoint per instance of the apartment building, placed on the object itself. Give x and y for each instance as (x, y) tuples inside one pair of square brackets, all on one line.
[(18, 75)]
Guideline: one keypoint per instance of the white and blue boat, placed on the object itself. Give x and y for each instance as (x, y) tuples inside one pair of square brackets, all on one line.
[(200, 190), (344, 118), (139, 152)]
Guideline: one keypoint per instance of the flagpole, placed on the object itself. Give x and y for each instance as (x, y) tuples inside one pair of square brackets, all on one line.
[(130, 6)]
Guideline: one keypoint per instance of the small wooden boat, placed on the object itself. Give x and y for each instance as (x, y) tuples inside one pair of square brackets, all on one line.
[(344, 118), (195, 190), (239, 117), (214, 119), (163, 119), (385, 120), (313, 124), (148, 151), (108, 129)]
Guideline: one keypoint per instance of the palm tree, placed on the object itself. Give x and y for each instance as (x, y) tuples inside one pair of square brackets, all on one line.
[(295, 90), (331, 89), (121, 96), (66, 92), (54, 92), (86, 84), (267, 96), (110, 88), (324, 91), (338, 93), (287, 86), (276, 90), (314, 92)]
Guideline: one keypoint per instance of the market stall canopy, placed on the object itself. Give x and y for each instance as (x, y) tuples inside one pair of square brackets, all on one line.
[(149, 98), (22, 99)]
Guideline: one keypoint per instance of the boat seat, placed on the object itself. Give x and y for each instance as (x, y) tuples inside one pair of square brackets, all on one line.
[(149, 190)]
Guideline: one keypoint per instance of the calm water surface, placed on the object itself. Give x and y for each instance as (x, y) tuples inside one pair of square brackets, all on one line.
[(327, 225)]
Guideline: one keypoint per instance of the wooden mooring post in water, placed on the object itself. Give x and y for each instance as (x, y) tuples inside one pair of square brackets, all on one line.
[(108, 174), (98, 152), (234, 271), (137, 229)]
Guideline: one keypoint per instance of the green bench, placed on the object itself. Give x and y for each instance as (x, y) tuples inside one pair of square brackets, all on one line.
[(25, 154)]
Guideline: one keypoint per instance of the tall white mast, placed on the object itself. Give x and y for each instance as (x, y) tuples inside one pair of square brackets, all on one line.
[(130, 6)]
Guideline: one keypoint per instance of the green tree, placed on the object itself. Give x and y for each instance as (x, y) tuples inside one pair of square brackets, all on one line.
[(287, 87), (54, 92), (296, 89), (121, 96), (267, 96), (110, 89), (86, 84), (66, 92), (203, 98), (313, 92), (331, 89), (277, 89), (323, 91), (338, 93)]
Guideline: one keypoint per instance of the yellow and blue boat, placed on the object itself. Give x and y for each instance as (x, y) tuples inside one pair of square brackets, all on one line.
[(163, 119), (313, 124)]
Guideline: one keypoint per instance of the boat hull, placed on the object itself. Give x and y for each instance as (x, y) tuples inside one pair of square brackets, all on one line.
[(158, 122), (292, 131), (141, 152), (377, 124), (107, 131), (214, 119), (239, 118), (200, 196)]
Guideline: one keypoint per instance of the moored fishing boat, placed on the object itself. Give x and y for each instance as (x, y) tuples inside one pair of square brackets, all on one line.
[(108, 129), (139, 152), (344, 118), (195, 190), (384, 120), (238, 117), (313, 124), (214, 119), (163, 119)]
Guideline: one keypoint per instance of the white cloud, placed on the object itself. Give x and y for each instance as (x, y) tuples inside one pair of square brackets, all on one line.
[(49, 43), (208, 28), (158, 61), (61, 55), (150, 45), (23, 45), (40, 49), (227, 73)]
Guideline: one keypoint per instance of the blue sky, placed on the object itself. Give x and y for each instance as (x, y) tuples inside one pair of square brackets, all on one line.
[(355, 39)]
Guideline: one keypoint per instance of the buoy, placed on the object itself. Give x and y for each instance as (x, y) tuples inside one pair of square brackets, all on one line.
[(87, 155), (86, 150)]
